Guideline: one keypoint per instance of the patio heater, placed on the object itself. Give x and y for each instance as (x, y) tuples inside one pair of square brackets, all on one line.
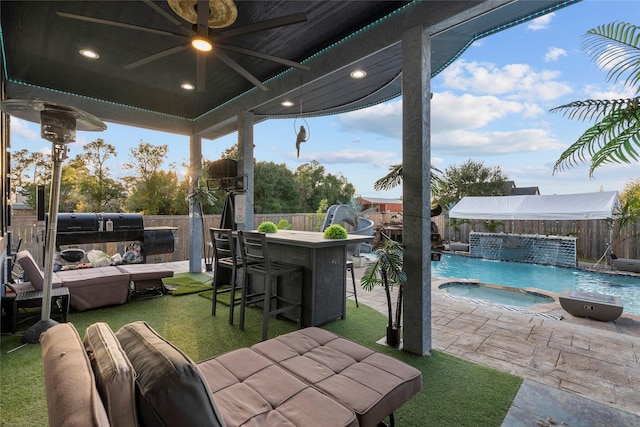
[(58, 124)]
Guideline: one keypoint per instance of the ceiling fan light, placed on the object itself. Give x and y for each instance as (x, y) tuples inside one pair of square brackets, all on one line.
[(88, 53), (358, 74), (202, 44)]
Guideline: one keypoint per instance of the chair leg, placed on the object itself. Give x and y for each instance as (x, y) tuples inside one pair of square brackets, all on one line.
[(232, 298), (243, 299), (353, 279), (266, 307), (215, 291)]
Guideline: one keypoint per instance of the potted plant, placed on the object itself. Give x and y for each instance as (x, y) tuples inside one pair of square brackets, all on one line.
[(335, 231), (267, 227), (387, 270)]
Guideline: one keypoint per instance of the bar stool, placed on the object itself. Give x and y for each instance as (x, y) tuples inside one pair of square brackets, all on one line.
[(224, 253), (353, 279), (256, 261)]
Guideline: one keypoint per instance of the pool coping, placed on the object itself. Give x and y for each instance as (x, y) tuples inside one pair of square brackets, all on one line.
[(549, 310)]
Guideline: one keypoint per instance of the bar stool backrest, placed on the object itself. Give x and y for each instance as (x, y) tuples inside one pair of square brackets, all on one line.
[(253, 248), (223, 244)]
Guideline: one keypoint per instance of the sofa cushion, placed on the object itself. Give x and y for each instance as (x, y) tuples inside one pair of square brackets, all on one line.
[(115, 376), (251, 390), (145, 271), (373, 385), (170, 388), (72, 397), (33, 273), (95, 287)]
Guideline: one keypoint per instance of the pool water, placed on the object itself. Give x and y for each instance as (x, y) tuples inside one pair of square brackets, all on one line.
[(500, 296), (549, 278)]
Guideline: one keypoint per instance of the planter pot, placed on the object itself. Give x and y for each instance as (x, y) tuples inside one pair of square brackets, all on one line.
[(393, 336), (358, 261)]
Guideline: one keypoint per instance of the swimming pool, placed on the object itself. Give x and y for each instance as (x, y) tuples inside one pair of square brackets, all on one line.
[(497, 294), (553, 279)]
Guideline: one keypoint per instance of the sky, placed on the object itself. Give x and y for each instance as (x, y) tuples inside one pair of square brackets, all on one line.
[(491, 105)]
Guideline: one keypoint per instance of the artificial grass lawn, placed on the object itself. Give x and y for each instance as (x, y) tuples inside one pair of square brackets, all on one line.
[(188, 283), (455, 392)]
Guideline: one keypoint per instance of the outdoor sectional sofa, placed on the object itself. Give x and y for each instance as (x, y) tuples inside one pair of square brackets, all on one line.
[(310, 377), (93, 287)]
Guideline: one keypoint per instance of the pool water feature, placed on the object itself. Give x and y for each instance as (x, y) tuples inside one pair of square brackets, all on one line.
[(548, 278), (498, 294)]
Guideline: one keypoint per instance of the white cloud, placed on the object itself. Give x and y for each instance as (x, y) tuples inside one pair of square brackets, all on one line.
[(541, 23), (515, 81), (380, 159), (554, 54), (451, 112), (23, 129), (617, 91), (467, 143)]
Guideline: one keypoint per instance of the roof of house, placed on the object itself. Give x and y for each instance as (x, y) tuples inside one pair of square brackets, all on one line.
[(378, 200)]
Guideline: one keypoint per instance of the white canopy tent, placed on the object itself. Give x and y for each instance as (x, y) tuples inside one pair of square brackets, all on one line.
[(583, 206)]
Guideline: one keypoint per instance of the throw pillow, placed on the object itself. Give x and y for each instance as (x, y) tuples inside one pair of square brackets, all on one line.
[(171, 390), (115, 376)]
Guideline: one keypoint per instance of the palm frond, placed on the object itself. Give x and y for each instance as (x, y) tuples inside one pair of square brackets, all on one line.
[(395, 176), (614, 139), (390, 180), (593, 109), (616, 47)]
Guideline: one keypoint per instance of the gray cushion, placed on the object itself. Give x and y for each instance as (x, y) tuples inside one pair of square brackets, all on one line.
[(170, 388), (72, 397), (373, 385), (115, 376)]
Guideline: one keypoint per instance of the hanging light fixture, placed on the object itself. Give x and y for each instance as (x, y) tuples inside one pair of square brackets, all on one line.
[(301, 134), (58, 124)]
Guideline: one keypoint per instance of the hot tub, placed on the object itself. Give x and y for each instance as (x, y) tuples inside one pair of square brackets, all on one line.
[(498, 294)]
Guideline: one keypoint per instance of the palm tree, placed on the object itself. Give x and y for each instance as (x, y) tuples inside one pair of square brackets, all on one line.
[(615, 137), (395, 175), (387, 270)]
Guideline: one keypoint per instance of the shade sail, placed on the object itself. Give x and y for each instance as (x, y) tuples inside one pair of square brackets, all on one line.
[(599, 205)]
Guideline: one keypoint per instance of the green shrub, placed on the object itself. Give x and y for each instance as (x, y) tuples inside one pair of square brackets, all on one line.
[(283, 224), (267, 227), (335, 231)]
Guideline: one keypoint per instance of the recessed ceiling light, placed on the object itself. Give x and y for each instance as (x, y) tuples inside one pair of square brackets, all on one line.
[(87, 53), (287, 103), (187, 86), (202, 44), (358, 74)]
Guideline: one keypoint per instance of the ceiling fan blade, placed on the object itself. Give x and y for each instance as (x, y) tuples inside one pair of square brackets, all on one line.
[(268, 24), (201, 74), (169, 17), (155, 56), (265, 56), (119, 24), (239, 69)]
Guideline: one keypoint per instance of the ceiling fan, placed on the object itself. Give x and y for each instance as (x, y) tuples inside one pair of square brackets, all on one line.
[(203, 15)]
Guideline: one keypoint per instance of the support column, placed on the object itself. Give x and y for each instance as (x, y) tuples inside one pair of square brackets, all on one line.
[(416, 162), (195, 209), (245, 163)]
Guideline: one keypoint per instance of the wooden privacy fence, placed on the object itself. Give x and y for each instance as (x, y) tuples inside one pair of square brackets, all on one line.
[(593, 235)]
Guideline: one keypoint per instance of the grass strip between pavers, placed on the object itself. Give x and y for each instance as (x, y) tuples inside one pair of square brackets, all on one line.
[(455, 393)]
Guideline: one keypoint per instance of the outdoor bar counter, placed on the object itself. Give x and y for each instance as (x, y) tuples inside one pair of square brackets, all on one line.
[(324, 276)]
